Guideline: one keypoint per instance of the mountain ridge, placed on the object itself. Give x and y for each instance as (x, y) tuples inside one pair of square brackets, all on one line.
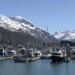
[(23, 32), (66, 35)]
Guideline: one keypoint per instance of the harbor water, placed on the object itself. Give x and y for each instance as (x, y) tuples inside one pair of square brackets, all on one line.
[(39, 67)]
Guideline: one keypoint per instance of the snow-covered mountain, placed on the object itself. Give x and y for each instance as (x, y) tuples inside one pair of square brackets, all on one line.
[(23, 31), (15, 23), (20, 24), (66, 35)]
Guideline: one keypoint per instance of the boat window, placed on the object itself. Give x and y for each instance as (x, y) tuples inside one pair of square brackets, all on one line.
[(57, 49), (1, 49)]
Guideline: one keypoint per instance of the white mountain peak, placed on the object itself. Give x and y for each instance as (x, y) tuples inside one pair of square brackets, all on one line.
[(66, 35), (15, 23)]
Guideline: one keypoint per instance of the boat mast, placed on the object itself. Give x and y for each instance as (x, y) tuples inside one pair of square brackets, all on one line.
[(47, 28), (68, 52), (12, 36)]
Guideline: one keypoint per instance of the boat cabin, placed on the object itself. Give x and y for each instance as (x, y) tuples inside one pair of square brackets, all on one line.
[(1, 51)]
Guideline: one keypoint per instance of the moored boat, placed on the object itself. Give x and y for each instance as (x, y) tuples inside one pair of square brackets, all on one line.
[(19, 58), (22, 59), (58, 55)]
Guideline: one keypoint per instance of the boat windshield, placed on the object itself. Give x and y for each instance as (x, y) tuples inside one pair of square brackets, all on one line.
[(1, 49), (57, 49)]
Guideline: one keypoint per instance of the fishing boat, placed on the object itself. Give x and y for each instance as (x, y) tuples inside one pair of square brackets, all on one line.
[(29, 56), (58, 55), (22, 59), (72, 52), (19, 58)]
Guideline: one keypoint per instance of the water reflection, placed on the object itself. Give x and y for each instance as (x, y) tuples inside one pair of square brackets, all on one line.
[(39, 67), (67, 68)]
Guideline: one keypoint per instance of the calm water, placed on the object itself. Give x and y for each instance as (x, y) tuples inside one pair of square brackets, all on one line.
[(39, 67)]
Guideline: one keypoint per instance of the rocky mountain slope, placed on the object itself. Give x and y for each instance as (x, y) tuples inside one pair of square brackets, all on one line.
[(17, 30)]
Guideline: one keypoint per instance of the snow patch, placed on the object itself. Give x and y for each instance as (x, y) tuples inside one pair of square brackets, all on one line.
[(65, 35)]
